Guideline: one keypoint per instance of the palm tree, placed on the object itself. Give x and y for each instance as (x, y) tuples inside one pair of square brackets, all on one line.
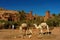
[(22, 16), (2, 23), (59, 14), (54, 14)]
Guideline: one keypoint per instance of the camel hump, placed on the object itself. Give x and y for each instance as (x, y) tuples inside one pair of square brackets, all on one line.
[(43, 24), (24, 25)]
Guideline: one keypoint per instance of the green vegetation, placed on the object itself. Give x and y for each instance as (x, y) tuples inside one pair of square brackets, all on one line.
[(53, 21)]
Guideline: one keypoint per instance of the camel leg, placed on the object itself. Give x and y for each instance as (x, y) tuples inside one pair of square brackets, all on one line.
[(41, 32), (30, 33), (23, 34), (47, 30)]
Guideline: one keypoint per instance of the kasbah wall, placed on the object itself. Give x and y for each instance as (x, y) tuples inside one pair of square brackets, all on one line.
[(10, 15), (47, 15)]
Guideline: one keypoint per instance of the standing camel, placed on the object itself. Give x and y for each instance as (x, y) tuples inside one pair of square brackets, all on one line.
[(42, 26), (24, 28)]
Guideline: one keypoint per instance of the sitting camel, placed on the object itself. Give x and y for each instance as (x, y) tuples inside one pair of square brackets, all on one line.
[(24, 30), (42, 26)]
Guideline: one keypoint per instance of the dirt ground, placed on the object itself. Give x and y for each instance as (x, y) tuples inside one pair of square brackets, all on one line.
[(9, 34)]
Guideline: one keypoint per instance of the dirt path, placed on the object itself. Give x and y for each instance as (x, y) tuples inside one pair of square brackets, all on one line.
[(9, 34)]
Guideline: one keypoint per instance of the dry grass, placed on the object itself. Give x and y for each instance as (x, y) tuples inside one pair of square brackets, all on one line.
[(9, 34)]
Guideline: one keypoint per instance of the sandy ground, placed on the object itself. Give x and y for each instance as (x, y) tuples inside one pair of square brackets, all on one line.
[(9, 34)]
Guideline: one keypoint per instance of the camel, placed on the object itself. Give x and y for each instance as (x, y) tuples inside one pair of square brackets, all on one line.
[(41, 27), (24, 30)]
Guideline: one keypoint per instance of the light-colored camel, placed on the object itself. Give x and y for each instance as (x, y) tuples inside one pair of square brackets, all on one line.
[(24, 30), (41, 27)]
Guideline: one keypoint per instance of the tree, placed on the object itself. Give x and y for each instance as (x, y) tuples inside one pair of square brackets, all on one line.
[(22, 15), (53, 14), (53, 21), (2, 24), (59, 14)]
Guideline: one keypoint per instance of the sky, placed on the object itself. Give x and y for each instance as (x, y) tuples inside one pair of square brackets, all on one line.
[(38, 7)]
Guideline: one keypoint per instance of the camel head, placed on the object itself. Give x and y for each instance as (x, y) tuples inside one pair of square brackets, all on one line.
[(35, 26), (44, 25), (24, 25)]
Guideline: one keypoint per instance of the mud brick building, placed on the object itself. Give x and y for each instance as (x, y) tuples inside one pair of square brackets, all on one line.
[(29, 16), (47, 15), (8, 15)]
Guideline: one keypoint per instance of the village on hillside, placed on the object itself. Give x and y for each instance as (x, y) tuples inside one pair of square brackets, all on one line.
[(10, 17), (20, 16), (15, 25)]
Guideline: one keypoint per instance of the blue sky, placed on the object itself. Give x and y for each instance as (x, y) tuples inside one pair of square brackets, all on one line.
[(37, 6)]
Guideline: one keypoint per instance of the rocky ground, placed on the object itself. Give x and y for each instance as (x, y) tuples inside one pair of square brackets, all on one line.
[(9, 34)]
